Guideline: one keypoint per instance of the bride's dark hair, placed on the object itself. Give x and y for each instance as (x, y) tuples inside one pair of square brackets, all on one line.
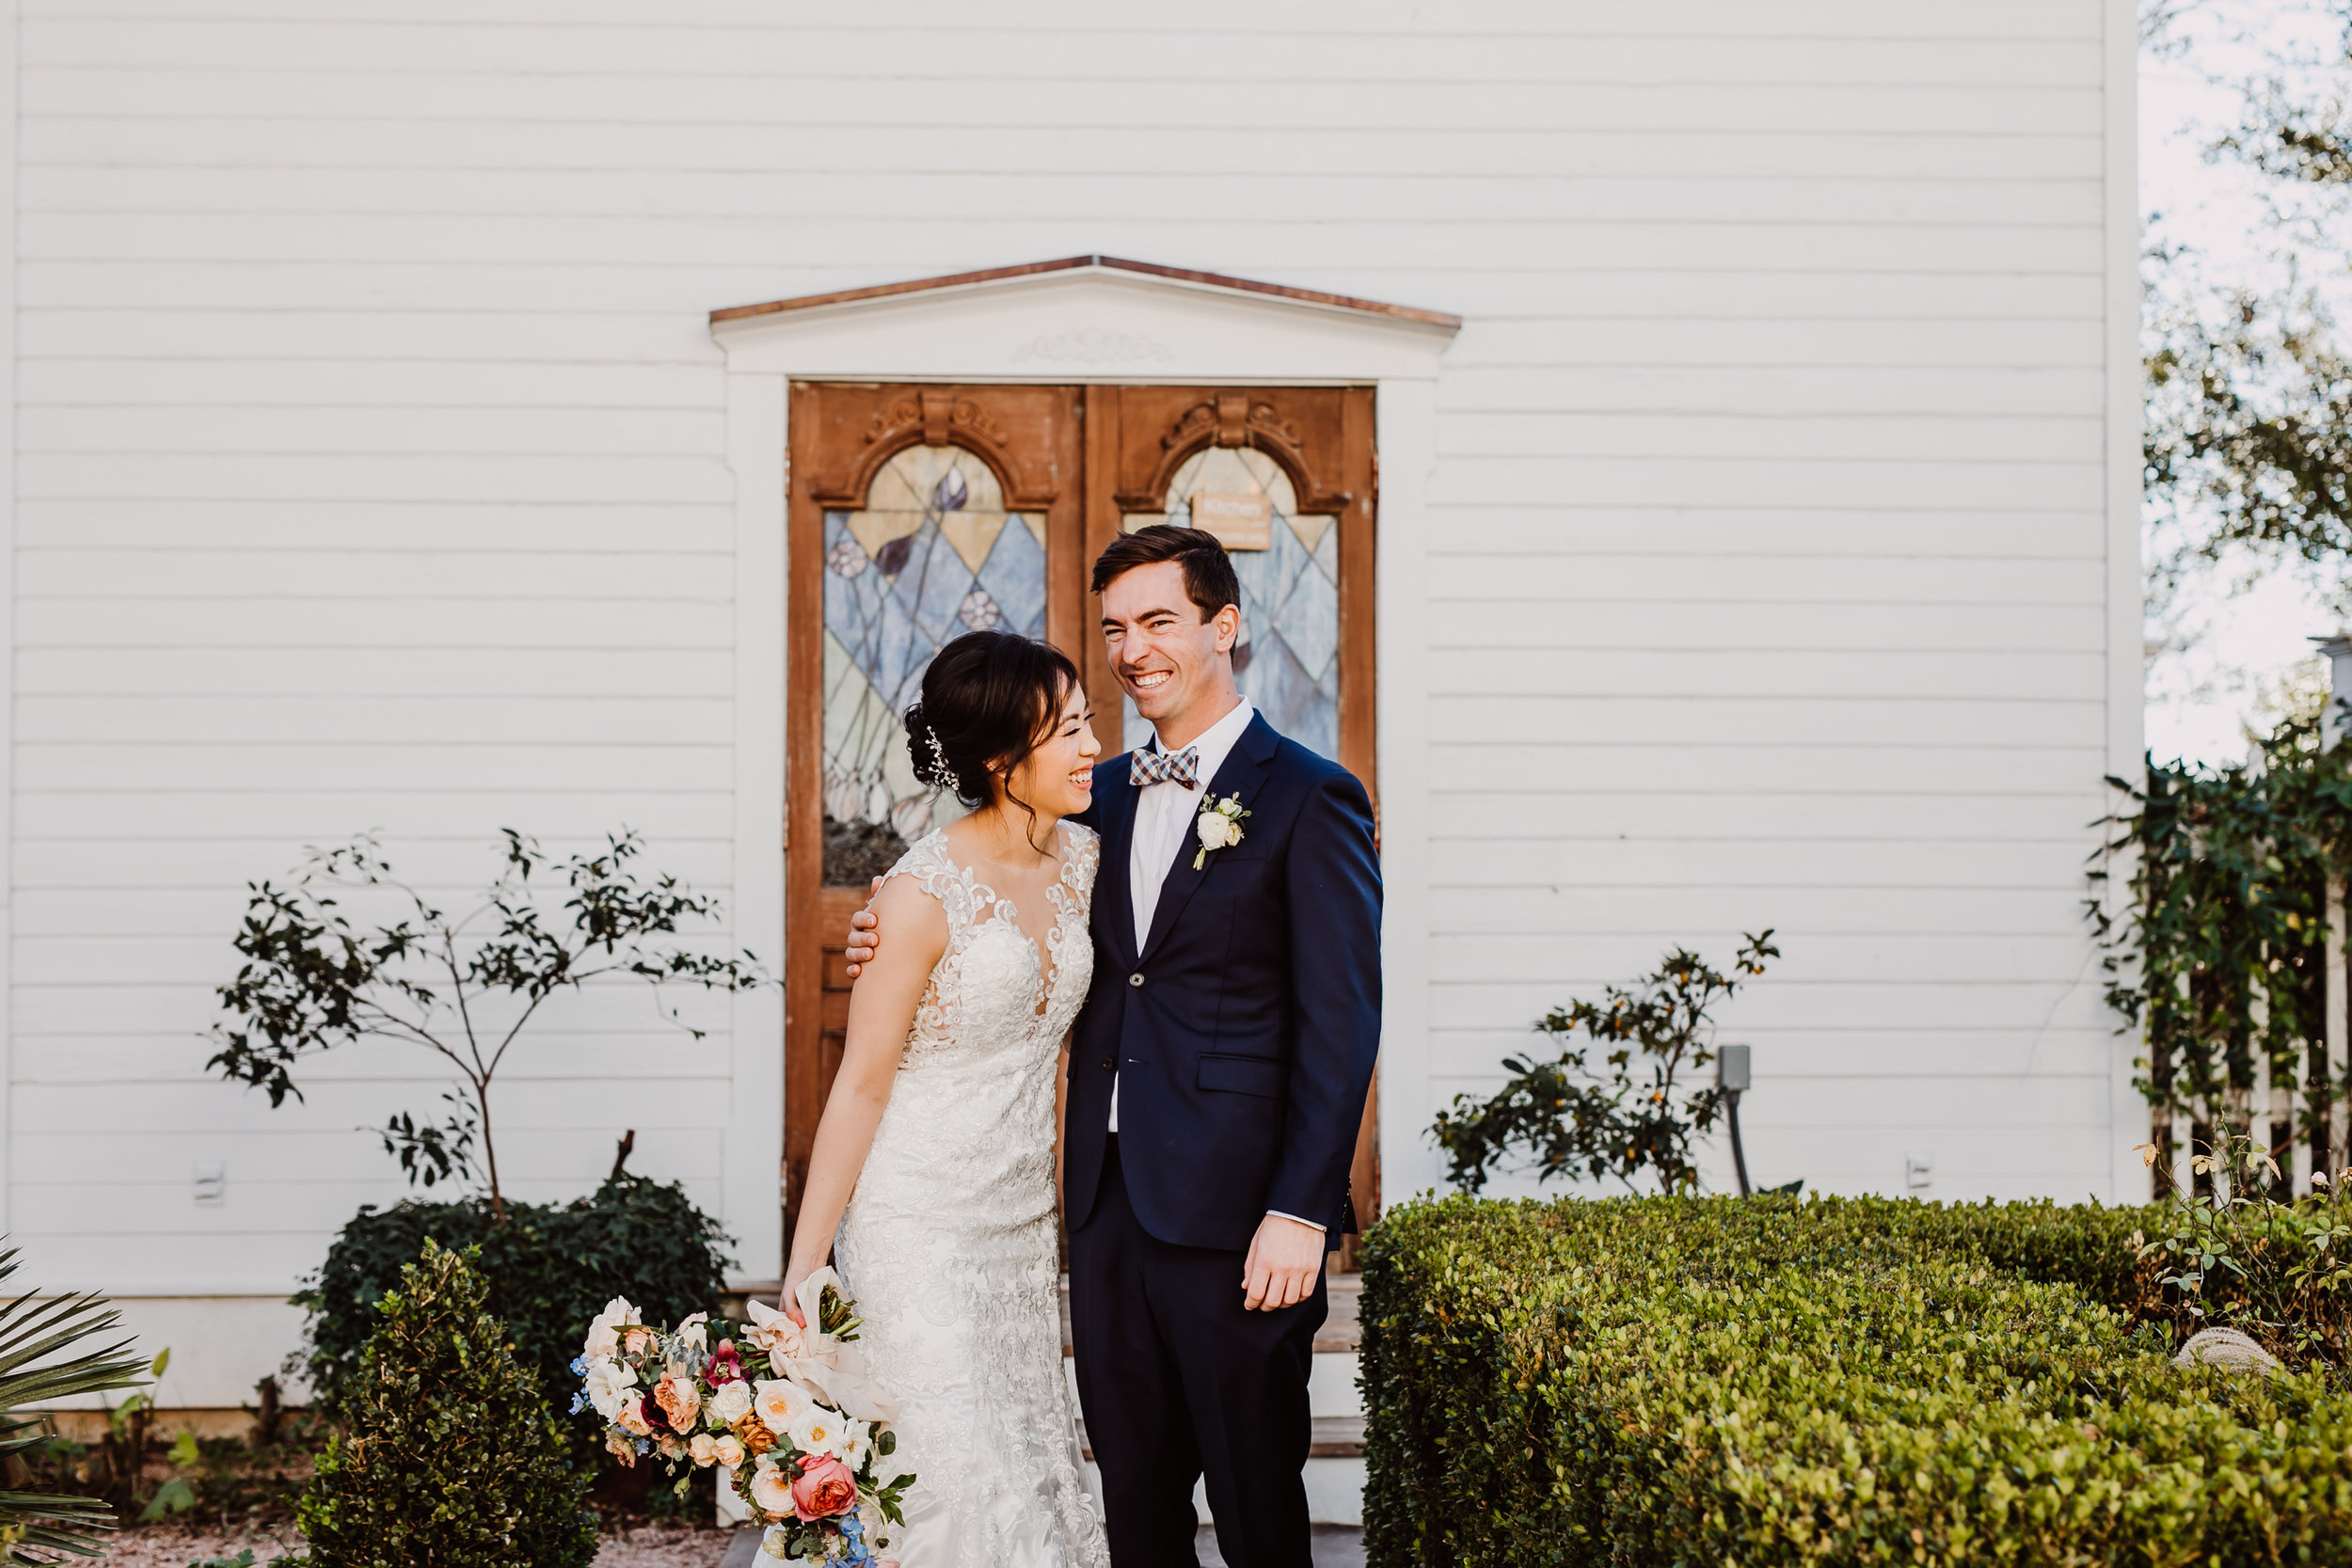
[(988, 698)]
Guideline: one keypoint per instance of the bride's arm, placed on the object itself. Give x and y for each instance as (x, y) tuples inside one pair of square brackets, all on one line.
[(882, 1010)]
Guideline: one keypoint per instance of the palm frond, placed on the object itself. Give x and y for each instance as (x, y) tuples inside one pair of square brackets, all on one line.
[(32, 1331)]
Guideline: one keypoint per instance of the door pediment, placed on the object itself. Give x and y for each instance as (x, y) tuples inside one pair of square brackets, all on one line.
[(1085, 318)]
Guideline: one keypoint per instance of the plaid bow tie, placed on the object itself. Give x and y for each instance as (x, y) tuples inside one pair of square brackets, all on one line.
[(1151, 768)]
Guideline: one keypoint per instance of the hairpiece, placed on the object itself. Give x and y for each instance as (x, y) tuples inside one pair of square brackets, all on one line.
[(936, 772)]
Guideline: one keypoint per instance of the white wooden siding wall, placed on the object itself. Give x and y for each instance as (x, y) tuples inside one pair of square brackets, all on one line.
[(371, 475)]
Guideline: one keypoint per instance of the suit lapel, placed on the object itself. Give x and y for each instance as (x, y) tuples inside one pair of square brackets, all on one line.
[(1243, 772), (1114, 883)]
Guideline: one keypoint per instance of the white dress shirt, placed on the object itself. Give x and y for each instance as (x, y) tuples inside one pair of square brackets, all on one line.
[(1165, 814)]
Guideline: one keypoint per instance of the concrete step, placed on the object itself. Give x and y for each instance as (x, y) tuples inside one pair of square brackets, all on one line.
[(1335, 1546)]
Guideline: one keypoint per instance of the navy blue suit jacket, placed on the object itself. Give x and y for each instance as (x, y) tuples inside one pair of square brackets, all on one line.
[(1243, 1035)]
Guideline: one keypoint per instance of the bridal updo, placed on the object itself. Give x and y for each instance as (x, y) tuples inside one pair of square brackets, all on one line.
[(988, 699)]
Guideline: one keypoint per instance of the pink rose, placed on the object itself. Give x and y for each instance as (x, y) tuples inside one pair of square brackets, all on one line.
[(824, 1488)]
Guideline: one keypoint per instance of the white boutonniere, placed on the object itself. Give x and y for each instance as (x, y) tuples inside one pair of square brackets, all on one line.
[(1219, 826)]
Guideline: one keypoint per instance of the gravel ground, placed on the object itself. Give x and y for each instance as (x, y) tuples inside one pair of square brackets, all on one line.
[(172, 1546)]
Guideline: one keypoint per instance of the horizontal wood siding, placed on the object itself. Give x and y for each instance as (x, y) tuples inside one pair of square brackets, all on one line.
[(371, 474)]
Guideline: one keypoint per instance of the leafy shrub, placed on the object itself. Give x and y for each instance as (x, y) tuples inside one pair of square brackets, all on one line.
[(449, 1454), (548, 1270), (2247, 1255), (2216, 944), (1767, 1382), (1622, 1117)]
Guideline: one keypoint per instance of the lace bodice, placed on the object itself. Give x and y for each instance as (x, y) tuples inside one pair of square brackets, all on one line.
[(988, 995), (948, 1244)]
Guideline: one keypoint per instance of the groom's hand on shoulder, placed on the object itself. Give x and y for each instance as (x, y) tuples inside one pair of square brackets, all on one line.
[(863, 940), (1285, 1257)]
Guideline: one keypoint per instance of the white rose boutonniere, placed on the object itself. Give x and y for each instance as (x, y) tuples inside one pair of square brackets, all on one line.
[(1219, 826)]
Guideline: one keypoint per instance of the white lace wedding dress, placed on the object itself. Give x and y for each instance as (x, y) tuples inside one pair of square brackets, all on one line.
[(948, 1243)]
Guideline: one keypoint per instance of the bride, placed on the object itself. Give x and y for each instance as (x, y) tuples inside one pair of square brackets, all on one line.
[(935, 1161)]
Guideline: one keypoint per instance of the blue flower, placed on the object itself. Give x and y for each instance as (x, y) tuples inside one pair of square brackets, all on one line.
[(579, 1365), (579, 1402)]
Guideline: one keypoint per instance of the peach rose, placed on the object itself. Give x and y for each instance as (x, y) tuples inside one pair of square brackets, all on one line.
[(770, 1490), (704, 1449), (727, 1450), (621, 1449), (825, 1488), (678, 1400), (631, 1417)]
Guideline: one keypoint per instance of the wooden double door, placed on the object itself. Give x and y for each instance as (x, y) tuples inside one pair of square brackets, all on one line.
[(921, 512)]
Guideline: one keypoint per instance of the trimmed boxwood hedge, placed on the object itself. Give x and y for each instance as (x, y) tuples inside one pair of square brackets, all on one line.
[(1703, 1381)]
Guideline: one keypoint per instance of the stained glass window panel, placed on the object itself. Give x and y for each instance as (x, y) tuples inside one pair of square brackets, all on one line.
[(933, 555), (1287, 660)]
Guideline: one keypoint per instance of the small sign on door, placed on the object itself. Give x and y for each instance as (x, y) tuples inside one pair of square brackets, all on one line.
[(1241, 519)]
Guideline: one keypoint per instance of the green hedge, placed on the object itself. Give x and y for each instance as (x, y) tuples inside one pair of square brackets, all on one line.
[(550, 1270), (1765, 1382)]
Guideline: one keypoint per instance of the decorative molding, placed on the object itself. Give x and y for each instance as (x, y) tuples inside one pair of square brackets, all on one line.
[(939, 415), (935, 418), (1094, 346), (1233, 418)]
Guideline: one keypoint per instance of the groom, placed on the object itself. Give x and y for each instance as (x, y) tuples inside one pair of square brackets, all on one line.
[(1218, 1075)]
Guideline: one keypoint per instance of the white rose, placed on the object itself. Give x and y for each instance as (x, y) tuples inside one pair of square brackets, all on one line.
[(817, 1429), (603, 1334), (1218, 830), (779, 1401), (608, 1381), (696, 1331), (731, 1402), (857, 1444)]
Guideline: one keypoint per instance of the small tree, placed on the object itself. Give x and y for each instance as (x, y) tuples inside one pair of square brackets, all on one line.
[(1620, 1119), (449, 1455), (463, 988)]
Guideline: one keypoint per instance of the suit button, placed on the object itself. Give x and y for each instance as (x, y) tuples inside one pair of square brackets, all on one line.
[(1110, 1064), (1137, 978)]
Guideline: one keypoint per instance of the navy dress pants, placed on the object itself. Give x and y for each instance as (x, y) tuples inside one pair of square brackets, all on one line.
[(1179, 1380)]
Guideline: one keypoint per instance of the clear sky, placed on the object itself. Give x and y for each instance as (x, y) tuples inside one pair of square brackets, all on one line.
[(2240, 643)]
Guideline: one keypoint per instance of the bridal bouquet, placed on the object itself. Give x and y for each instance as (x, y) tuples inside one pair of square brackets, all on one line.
[(802, 1438)]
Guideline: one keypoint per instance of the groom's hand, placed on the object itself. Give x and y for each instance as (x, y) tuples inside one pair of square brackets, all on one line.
[(1284, 1258), (863, 940)]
